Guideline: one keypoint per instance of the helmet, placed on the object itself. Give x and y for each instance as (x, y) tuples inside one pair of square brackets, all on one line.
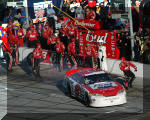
[(38, 44), (73, 39), (123, 58)]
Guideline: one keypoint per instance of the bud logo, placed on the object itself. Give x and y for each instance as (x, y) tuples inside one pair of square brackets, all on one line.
[(96, 38)]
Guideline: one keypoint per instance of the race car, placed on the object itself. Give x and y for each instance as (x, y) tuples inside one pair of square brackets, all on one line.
[(94, 87)]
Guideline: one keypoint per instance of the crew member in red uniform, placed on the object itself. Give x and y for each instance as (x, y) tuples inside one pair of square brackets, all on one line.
[(32, 36), (10, 26), (125, 67), (63, 36), (72, 31), (47, 32), (90, 54), (90, 14), (6, 49), (37, 58), (60, 48), (20, 37), (14, 42), (51, 42), (72, 53)]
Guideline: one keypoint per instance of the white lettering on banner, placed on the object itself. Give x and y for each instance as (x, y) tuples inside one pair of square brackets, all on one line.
[(86, 24), (93, 38)]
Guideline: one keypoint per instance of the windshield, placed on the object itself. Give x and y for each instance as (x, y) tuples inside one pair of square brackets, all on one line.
[(91, 79)]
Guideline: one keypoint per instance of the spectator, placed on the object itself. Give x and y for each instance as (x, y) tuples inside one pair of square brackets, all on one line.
[(137, 49), (79, 13), (22, 17), (72, 9), (50, 15)]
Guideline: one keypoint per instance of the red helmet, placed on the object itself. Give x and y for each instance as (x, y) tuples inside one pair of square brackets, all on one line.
[(123, 58), (73, 39), (38, 44)]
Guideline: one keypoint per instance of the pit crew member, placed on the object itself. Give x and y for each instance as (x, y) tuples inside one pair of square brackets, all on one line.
[(72, 54), (125, 67), (37, 58), (60, 48)]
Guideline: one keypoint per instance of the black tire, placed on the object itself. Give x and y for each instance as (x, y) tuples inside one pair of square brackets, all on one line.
[(69, 90), (29, 59), (87, 101)]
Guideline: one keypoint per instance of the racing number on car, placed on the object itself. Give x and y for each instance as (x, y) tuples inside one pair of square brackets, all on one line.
[(77, 90)]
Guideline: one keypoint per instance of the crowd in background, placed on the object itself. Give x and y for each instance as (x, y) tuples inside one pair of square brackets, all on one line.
[(87, 9)]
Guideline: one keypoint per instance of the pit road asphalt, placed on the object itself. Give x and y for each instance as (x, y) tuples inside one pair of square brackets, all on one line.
[(27, 94)]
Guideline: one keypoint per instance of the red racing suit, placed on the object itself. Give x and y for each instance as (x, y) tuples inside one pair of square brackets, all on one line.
[(47, 31), (72, 31), (21, 37), (14, 42), (60, 47), (51, 40), (71, 49), (125, 66), (32, 35), (9, 29), (37, 53), (91, 15)]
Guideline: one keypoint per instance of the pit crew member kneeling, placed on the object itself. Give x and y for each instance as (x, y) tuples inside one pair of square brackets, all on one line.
[(125, 67)]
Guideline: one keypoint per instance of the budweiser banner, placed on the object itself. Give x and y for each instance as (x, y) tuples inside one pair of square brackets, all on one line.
[(109, 40), (92, 24)]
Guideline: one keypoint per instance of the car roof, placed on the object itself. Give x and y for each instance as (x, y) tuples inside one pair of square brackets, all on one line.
[(84, 71)]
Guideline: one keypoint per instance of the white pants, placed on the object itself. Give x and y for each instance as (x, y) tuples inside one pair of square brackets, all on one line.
[(102, 54)]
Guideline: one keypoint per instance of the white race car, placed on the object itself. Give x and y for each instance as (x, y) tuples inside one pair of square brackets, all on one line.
[(94, 87)]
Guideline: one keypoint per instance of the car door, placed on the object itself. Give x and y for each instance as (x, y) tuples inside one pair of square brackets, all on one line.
[(79, 87), (74, 85)]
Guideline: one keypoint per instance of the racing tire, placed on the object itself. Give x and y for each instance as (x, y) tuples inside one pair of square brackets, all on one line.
[(29, 59), (69, 90), (86, 101)]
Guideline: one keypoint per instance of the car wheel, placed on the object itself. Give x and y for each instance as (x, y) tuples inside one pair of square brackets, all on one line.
[(87, 101), (69, 90), (29, 59)]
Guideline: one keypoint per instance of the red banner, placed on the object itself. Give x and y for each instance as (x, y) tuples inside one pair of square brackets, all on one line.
[(92, 24), (109, 40)]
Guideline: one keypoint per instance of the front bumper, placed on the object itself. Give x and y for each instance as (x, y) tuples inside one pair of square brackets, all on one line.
[(102, 101)]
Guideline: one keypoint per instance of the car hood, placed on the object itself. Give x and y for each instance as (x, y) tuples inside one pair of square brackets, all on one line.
[(104, 88)]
